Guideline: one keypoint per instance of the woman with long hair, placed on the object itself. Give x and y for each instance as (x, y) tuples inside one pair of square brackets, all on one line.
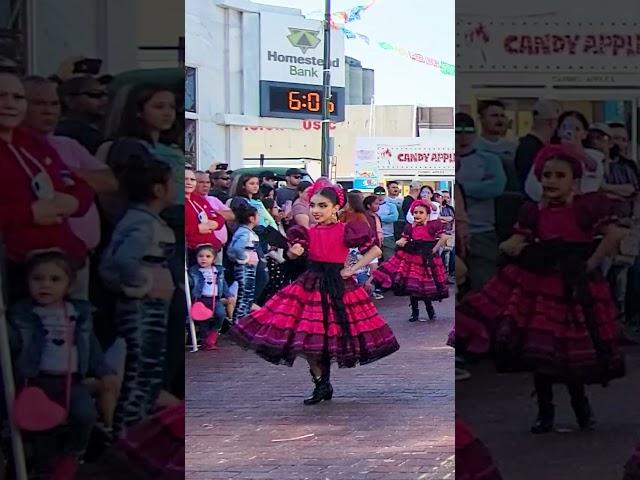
[(246, 192), (149, 129)]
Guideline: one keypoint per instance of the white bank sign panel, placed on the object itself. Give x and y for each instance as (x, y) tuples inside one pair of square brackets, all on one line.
[(291, 51)]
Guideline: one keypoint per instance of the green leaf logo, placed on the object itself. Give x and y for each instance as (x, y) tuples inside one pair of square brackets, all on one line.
[(304, 39)]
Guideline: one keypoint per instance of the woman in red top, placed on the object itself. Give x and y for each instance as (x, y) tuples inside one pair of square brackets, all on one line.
[(200, 220), (38, 193)]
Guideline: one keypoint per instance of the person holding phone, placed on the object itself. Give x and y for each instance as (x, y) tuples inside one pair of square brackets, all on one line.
[(573, 129)]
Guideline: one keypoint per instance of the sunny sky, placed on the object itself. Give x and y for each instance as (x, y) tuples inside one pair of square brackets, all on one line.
[(426, 27)]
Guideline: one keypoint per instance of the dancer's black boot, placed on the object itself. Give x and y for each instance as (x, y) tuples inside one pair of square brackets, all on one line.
[(581, 407), (322, 391), (415, 309), (430, 310), (546, 410)]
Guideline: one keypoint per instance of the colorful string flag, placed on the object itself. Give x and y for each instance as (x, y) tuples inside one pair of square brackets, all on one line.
[(354, 13), (340, 19), (444, 67), (348, 33)]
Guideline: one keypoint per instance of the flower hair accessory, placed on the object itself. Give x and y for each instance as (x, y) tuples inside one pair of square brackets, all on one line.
[(322, 183), (421, 203), (564, 152)]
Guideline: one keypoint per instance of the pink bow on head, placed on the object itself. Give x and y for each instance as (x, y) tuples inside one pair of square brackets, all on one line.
[(326, 183), (421, 203)]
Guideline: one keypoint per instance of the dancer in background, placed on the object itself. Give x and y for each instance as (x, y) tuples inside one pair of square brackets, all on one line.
[(324, 316), (550, 310), (416, 269)]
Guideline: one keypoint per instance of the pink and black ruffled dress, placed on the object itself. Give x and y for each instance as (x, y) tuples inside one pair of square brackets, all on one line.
[(414, 270), (473, 460), (632, 468), (320, 316), (543, 311), (151, 450)]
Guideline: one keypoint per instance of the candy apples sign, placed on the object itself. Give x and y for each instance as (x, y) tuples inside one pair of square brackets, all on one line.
[(537, 45), (430, 156)]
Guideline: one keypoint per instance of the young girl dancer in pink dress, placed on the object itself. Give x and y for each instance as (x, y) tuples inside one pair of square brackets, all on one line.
[(416, 269), (324, 316), (550, 309)]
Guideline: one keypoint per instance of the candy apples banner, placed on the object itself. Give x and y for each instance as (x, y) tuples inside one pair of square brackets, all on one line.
[(545, 45)]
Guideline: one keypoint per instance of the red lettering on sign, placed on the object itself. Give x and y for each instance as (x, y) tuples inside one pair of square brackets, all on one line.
[(600, 44)]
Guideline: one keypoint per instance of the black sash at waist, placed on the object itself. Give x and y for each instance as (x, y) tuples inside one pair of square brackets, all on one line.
[(424, 248), (331, 293)]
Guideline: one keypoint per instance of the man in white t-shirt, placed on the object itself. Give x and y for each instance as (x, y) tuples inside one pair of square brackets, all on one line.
[(494, 123)]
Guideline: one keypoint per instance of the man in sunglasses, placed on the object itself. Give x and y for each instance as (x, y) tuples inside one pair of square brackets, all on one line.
[(289, 192), (84, 104), (220, 183)]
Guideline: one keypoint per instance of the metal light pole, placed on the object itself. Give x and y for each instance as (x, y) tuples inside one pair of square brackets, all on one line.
[(326, 84)]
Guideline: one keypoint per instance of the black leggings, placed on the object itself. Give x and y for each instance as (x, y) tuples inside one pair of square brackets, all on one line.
[(544, 388)]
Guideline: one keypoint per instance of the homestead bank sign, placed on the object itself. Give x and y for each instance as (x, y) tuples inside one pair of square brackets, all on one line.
[(291, 50), (538, 45)]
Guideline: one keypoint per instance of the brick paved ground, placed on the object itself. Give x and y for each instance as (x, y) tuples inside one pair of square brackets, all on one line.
[(391, 420), (500, 410)]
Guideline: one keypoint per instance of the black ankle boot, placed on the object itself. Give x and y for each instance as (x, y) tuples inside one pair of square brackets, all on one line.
[(584, 414), (415, 311), (544, 421), (322, 391), (430, 310)]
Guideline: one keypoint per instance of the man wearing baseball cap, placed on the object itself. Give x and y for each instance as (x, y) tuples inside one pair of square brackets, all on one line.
[(414, 193), (289, 192), (481, 175), (84, 105), (388, 214), (545, 121), (620, 179), (268, 178)]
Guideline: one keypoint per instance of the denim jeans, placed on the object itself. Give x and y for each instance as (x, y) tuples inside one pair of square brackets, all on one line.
[(361, 278)]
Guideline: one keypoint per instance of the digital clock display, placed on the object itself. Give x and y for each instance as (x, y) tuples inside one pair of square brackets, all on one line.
[(299, 101)]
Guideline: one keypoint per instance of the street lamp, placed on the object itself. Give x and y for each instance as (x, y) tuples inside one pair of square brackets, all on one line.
[(326, 84)]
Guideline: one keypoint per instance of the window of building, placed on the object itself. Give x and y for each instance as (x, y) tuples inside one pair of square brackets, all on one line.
[(191, 141), (190, 92)]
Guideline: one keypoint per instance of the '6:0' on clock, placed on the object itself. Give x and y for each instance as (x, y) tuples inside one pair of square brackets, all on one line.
[(299, 101), (310, 101)]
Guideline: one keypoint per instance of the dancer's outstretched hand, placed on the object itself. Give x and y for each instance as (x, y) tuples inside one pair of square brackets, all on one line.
[(296, 250)]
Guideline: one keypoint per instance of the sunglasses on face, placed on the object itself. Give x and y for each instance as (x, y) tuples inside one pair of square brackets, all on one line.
[(224, 178), (465, 130), (94, 95)]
